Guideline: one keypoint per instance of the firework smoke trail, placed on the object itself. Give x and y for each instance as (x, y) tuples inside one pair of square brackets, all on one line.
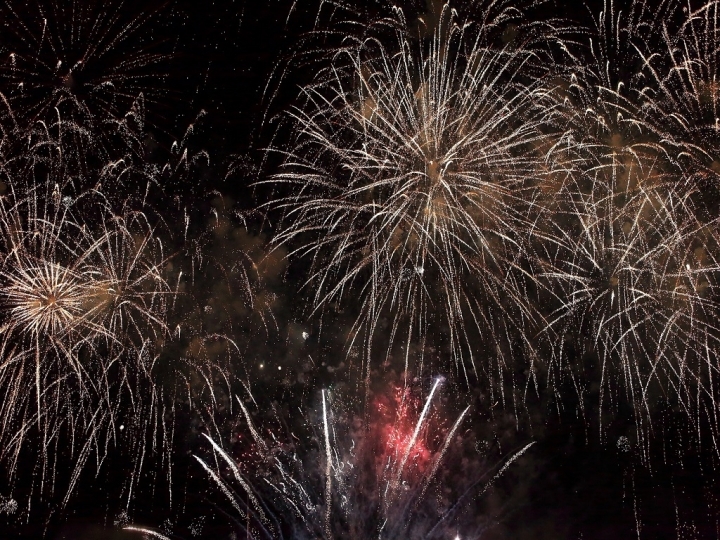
[(328, 467), (631, 264), (379, 476), (410, 178), (80, 306)]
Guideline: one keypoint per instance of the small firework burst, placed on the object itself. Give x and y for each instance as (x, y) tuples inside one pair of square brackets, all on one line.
[(81, 302)]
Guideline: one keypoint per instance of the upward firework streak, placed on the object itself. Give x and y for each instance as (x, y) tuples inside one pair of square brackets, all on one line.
[(372, 484), (411, 171)]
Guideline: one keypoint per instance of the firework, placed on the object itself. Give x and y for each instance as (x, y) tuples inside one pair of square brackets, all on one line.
[(82, 304), (635, 287), (384, 476), (410, 174), (107, 337), (629, 263), (83, 71)]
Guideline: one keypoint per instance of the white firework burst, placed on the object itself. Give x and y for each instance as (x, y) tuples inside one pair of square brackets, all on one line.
[(408, 180)]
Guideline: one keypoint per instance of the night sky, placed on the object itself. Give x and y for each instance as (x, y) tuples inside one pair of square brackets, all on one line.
[(221, 318)]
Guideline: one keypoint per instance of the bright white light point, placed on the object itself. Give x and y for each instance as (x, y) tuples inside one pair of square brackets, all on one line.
[(279, 368), (122, 427), (305, 335), (262, 366), (687, 266), (420, 270)]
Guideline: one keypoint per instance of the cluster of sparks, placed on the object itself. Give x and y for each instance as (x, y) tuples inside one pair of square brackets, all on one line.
[(81, 70), (369, 479)]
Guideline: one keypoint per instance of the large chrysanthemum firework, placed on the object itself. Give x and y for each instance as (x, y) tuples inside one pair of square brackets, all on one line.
[(409, 174)]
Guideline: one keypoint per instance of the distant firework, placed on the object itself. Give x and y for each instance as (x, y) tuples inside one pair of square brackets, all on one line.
[(83, 71)]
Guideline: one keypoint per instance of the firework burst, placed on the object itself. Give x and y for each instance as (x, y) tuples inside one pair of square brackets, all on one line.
[(81, 303), (687, 98), (410, 172), (632, 267), (636, 289), (82, 71)]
